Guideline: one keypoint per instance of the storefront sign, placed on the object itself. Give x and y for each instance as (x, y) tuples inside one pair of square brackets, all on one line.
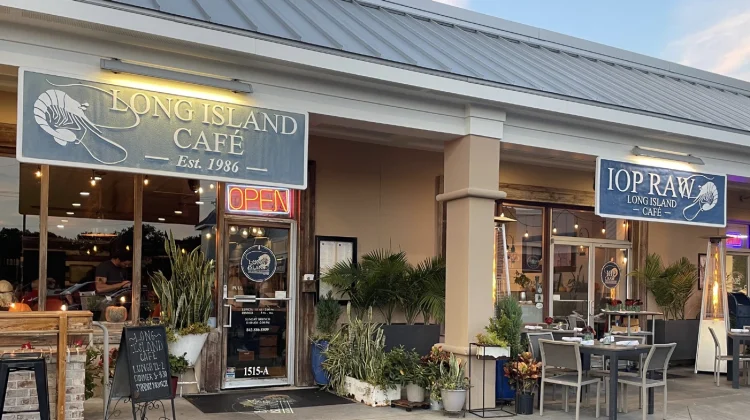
[(633, 191), (258, 263), (259, 201), (78, 123), (610, 275)]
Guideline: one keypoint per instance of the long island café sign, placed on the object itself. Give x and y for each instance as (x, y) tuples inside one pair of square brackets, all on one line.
[(78, 123), (632, 191)]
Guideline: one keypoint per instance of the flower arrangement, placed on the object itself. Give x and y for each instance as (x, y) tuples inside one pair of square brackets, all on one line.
[(612, 304), (523, 373), (548, 320), (432, 363), (633, 305)]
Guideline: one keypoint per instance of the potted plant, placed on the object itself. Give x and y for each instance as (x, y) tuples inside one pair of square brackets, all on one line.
[(411, 372), (327, 314), (356, 363), (524, 373), (453, 384), (177, 366), (185, 299), (491, 345), (672, 287), (432, 362), (385, 281), (507, 325)]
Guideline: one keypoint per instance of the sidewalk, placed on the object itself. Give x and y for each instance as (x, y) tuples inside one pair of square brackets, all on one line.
[(693, 397)]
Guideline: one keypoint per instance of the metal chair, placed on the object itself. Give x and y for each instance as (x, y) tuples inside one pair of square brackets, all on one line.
[(604, 373), (565, 355), (535, 350), (657, 360), (718, 358)]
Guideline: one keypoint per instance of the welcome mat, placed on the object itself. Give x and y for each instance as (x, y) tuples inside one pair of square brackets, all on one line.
[(264, 401)]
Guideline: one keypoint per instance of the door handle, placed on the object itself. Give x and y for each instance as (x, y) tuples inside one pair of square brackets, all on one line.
[(229, 325)]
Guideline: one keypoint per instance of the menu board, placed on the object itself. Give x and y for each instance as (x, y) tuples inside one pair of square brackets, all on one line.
[(142, 368), (331, 251)]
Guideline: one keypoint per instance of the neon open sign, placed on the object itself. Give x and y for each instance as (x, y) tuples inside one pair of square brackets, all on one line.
[(259, 201)]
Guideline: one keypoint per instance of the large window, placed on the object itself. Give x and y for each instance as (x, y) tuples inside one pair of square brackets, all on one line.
[(586, 224)]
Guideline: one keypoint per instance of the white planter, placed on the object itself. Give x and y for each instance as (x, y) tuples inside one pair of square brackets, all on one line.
[(436, 405), (453, 400), (414, 393), (191, 344), (494, 352), (369, 394)]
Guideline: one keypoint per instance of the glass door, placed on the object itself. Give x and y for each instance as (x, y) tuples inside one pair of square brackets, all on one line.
[(259, 303), (585, 273)]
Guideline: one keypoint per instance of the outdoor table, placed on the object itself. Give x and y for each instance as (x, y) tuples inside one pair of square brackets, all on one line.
[(733, 342), (628, 315), (614, 352)]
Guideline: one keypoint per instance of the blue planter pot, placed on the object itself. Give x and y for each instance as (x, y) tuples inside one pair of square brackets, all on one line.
[(503, 391), (318, 357)]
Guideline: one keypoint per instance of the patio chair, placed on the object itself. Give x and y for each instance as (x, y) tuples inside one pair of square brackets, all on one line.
[(565, 355), (718, 358), (604, 373), (535, 350), (657, 360)]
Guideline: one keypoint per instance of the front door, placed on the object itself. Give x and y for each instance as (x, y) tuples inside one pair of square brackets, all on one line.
[(585, 272), (259, 301)]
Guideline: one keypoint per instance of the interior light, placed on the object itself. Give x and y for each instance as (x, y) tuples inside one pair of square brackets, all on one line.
[(122, 299), (624, 260), (88, 252), (554, 230), (97, 178), (76, 204), (200, 190), (604, 230), (38, 172), (95, 249), (183, 251), (178, 212), (526, 234), (200, 203), (69, 213), (64, 220), (127, 247), (211, 186), (208, 235), (93, 182), (233, 229), (145, 180), (244, 233), (63, 307), (61, 226), (85, 193)]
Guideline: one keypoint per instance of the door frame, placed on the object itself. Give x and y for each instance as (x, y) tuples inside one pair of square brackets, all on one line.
[(592, 244), (291, 300)]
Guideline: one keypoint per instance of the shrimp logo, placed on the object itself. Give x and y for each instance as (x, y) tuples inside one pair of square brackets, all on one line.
[(258, 263), (65, 120), (707, 198)]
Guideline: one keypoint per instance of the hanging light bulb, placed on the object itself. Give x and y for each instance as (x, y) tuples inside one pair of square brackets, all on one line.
[(95, 249), (233, 229), (526, 234), (145, 180), (625, 224), (554, 229), (211, 186), (244, 233), (624, 260), (200, 190), (208, 235), (575, 226), (92, 181), (604, 227), (38, 172)]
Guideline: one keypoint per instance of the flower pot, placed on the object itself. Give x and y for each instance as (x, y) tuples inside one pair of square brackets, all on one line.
[(436, 405), (369, 394), (524, 404), (494, 352), (318, 357), (414, 393), (189, 345), (174, 380), (453, 400), (503, 390)]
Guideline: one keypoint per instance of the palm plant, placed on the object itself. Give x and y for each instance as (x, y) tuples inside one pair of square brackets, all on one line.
[(672, 286), (186, 297), (425, 291)]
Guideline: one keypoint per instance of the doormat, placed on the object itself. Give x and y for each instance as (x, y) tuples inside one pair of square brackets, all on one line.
[(264, 401)]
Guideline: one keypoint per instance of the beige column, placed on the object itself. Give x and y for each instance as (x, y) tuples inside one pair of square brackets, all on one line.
[(471, 188)]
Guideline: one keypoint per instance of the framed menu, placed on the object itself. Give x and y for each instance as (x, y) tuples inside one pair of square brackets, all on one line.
[(329, 251)]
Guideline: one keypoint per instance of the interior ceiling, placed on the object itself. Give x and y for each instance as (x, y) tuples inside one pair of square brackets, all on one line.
[(8, 78)]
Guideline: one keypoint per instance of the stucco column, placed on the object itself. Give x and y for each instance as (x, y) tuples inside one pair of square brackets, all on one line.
[(471, 188)]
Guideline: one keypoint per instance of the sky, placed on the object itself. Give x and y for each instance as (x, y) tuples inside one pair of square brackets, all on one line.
[(712, 35)]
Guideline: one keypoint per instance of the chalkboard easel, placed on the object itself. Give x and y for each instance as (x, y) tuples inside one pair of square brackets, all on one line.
[(142, 373)]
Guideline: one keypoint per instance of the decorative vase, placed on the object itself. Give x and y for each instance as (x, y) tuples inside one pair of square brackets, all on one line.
[(116, 314), (189, 345), (318, 357), (414, 393), (524, 404), (453, 400)]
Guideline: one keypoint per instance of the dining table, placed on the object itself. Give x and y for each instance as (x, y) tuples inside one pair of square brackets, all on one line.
[(734, 340), (614, 352)]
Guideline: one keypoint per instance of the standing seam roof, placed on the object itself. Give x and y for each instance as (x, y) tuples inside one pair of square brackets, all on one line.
[(364, 29)]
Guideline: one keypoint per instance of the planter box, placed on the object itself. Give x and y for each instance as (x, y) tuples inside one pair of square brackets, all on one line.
[(419, 338), (369, 394), (683, 332), (494, 352), (189, 345)]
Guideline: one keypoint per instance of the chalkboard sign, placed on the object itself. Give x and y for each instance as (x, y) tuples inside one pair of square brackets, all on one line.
[(142, 368)]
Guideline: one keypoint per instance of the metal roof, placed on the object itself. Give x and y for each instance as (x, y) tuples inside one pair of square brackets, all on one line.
[(422, 41)]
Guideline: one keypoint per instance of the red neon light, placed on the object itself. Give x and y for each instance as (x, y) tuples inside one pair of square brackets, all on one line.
[(267, 201)]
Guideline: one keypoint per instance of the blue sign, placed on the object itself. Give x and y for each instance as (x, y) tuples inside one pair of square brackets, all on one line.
[(71, 122), (639, 192), (258, 263), (610, 275)]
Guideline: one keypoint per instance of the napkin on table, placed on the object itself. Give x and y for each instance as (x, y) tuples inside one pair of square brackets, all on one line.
[(574, 339), (628, 343)]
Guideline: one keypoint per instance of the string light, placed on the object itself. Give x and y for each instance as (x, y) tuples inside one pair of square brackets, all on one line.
[(92, 181), (554, 229), (526, 234), (211, 185), (575, 226), (604, 227), (145, 180), (233, 229), (38, 172), (208, 235)]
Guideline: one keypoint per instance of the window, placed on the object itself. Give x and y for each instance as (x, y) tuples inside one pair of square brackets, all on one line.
[(586, 224)]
